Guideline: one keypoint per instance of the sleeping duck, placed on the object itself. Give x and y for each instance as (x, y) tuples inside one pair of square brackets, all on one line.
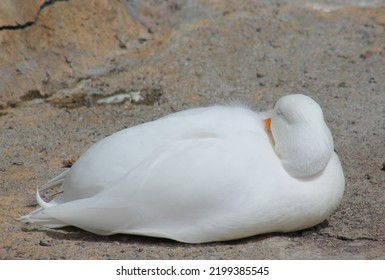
[(204, 174)]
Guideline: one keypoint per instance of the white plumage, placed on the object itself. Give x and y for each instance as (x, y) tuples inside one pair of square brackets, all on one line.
[(205, 174)]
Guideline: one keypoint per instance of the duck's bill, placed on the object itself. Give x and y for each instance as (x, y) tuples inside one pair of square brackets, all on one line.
[(267, 124)]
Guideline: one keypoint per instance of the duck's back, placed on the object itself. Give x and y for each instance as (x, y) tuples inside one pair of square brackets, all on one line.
[(116, 156)]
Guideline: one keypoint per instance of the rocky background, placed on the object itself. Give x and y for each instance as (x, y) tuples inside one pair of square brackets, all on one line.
[(75, 71)]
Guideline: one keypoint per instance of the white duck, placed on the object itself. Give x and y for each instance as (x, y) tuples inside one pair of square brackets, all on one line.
[(202, 175)]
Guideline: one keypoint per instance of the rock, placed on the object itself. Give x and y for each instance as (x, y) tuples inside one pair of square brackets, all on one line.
[(64, 39), (44, 243), (17, 13)]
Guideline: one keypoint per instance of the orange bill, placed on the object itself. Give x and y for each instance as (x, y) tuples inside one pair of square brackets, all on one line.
[(268, 124)]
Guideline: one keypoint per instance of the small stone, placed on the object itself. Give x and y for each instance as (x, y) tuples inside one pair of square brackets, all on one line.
[(260, 75), (70, 161), (44, 243), (133, 96)]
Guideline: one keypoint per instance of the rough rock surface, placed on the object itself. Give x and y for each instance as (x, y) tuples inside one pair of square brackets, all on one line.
[(17, 13), (60, 41), (60, 60)]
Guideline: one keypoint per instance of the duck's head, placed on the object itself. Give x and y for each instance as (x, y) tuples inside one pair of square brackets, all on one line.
[(303, 141)]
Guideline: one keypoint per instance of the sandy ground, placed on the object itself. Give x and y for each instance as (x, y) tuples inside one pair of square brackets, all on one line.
[(254, 55)]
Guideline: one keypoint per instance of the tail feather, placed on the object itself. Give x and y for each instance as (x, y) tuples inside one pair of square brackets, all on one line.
[(38, 216), (58, 180), (55, 181)]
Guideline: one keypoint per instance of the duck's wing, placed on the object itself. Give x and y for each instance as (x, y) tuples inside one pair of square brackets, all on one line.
[(107, 162)]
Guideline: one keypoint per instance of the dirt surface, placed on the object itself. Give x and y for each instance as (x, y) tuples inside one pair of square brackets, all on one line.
[(183, 54)]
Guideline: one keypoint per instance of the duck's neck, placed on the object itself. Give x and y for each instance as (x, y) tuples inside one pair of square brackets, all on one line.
[(305, 152)]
